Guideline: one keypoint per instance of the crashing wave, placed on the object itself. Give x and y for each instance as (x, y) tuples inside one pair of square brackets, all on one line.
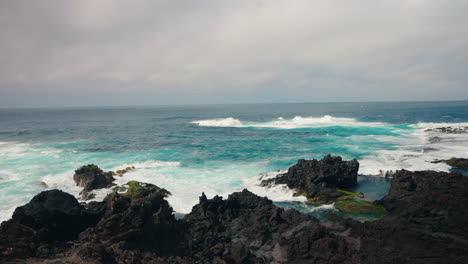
[(282, 123)]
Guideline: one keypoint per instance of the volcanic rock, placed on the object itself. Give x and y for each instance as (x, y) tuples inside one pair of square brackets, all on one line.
[(319, 179), (91, 177), (50, 216)]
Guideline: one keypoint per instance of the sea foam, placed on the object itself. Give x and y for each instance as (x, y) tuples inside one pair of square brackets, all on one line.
[(282, 123), (417, 150), (220, 122)]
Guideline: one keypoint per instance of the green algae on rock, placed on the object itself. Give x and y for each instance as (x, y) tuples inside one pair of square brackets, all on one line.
[(134, 189), (352, 194), (458, 163), (364, 207)]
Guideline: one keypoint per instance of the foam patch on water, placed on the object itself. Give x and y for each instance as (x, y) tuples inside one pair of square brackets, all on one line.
[(220, 122), (282, 123), (418, 150)]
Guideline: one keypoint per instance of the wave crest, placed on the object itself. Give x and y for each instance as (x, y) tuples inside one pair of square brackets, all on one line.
[(220, 122), (282, 123)]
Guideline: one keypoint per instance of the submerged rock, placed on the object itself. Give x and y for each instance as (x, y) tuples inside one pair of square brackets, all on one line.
[(363, 207), (449, 130), (318, 180), (91, 177), (122, 171)]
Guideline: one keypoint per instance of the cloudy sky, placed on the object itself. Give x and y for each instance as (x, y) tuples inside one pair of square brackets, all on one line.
[(109, 52)]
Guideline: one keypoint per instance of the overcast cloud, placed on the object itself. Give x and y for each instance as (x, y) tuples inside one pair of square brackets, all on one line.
[(103, 52)]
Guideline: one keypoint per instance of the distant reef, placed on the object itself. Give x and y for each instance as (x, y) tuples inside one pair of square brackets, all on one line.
[(423, 220)]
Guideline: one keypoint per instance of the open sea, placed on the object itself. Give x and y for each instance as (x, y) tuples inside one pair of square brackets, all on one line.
[(219, 149)]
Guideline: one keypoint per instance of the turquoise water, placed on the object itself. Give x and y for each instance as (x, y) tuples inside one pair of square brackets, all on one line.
[(218, 149)]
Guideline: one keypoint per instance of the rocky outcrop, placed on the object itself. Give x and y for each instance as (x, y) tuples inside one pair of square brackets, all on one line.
[(137, 225), (319, 180), (425, 223), (91, 177), (246, 228), (49, 217), (429, 202)]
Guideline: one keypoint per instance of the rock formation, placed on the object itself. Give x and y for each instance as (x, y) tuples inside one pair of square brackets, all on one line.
[(49, 217), (425, 223), (91, 177), (319, 180)]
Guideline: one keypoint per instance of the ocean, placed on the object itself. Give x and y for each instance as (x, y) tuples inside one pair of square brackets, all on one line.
[(219, 149)]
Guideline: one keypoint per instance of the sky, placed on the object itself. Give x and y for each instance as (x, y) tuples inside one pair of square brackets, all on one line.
[(149, 52)]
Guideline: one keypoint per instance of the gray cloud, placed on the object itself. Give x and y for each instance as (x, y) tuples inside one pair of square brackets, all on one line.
[(132, 52)]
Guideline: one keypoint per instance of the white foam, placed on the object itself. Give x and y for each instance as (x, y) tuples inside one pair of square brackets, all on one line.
[(282, 123), (147, 165), (416, 152), (13, 149), (186, 184), (276, 193), (221, 122)]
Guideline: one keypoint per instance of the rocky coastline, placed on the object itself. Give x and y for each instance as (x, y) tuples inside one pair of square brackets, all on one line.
[(423, 220)]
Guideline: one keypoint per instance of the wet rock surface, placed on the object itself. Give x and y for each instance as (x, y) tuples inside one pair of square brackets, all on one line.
[(91, 177), (449, 130), (319, 179)]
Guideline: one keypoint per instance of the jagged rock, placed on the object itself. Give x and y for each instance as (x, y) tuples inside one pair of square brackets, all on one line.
[(137, 224), (50, 216), (449, 130), (246, 228), (429, 201), (425, 223), (91, 177), (319, 180)]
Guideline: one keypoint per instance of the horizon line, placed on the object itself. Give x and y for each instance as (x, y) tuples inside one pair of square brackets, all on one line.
[(220, 104)]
